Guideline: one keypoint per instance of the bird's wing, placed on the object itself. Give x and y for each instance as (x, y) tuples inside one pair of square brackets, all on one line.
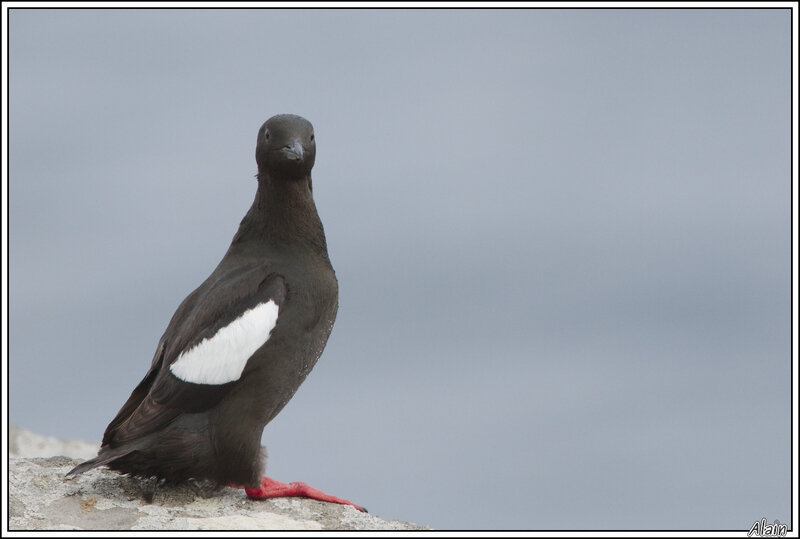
[(204, 350)]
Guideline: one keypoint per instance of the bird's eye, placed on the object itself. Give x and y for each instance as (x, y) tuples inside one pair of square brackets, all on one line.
[(312, 136), (266, 135)]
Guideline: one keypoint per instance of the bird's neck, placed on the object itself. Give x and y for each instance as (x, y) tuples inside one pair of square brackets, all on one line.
[(283, 214)]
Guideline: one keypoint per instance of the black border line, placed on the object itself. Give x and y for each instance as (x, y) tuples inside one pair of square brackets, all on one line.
[(203, 6)]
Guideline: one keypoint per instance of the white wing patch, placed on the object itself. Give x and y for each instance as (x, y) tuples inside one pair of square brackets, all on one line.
[(222, 358)]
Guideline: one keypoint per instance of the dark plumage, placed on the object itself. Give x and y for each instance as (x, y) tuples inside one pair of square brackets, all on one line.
[(197, 419)]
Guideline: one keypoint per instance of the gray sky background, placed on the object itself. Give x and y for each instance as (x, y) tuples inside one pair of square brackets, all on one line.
[(562, 239)]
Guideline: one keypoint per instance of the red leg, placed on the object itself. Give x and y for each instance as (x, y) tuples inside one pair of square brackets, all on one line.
[(275, 489)]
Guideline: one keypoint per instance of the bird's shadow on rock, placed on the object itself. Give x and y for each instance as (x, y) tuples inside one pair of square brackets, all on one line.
[(153, 490)]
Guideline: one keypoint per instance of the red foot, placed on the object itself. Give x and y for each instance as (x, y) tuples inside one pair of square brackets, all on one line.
[(275, 489)]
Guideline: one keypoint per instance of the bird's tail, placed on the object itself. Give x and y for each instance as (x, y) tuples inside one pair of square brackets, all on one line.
[(104, 457)]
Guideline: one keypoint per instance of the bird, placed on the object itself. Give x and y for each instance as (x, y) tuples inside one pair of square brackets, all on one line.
[(239, 346)]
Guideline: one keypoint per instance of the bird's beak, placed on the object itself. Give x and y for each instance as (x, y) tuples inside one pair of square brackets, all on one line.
[(293, 151)]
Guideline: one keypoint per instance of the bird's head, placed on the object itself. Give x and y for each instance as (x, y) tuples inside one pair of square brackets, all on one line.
[(286, 147)]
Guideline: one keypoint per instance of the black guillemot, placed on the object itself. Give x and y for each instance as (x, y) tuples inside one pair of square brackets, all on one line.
[(240, 345)]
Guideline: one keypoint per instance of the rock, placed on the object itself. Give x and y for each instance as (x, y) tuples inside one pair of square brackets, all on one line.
[(40, 498), (27, 444)]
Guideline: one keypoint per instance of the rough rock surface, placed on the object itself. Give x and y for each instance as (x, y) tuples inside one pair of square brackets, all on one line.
[(40, 498)]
